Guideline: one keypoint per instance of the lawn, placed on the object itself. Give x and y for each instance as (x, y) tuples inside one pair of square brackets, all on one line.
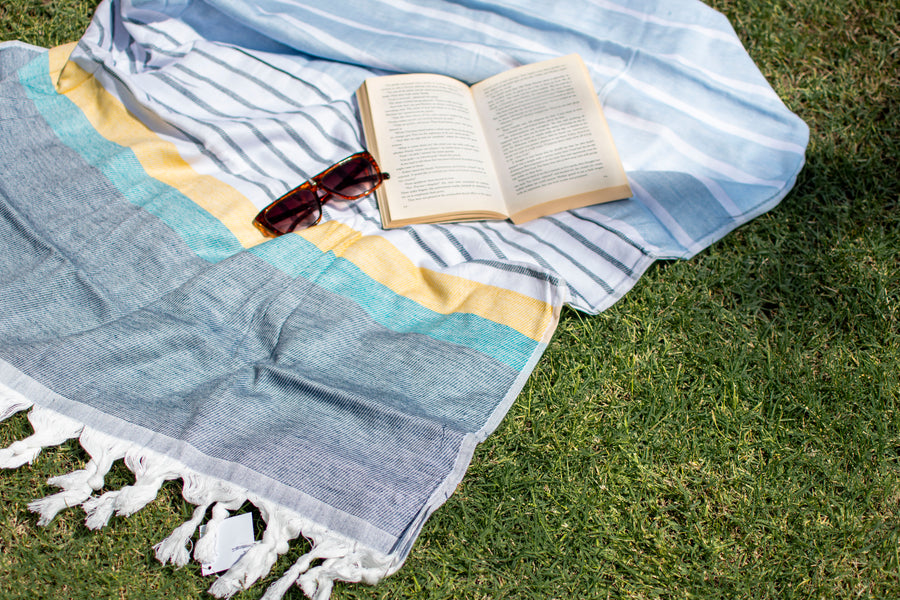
[(730, 429)]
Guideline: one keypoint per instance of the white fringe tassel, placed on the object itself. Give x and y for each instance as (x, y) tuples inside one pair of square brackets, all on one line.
[(11, 402), (203, 492), (259, 560), (50, 429), (206, 549), (342, 559), (150, 470), (78, 485)]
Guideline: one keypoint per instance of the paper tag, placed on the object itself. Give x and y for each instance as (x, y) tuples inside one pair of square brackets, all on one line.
[(235, 538)]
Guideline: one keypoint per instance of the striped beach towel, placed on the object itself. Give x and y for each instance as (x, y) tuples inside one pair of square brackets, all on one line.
[(339, 378)]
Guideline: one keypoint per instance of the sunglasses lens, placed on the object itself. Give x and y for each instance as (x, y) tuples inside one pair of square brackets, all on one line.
[(352, 178), (296, 209)]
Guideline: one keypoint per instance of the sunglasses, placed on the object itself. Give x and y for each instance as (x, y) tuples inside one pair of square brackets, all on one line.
[(352, 178)]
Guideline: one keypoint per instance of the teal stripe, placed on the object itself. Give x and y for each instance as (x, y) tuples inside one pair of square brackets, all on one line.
[(298, 257), (293, 255), (202, 232)]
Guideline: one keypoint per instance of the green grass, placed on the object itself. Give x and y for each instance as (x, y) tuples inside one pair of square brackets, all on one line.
[(730, 429), (45, 23)]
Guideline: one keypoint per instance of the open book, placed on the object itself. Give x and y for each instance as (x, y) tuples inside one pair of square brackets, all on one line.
[(526, 143)]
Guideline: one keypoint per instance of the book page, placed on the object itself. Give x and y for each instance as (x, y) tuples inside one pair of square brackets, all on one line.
[(429, 140), (547, 130)]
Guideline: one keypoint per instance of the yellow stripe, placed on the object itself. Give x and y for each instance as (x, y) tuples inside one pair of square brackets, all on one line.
[(440, 292), (160, 159), (374, 255)]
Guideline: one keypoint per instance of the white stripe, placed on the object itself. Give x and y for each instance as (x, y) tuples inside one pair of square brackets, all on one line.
[(479, 49), (649, 18), (418, 11), (326, 39), (687, 150), (721, 196), (606, 69), (302, 70), (623, 227), (680, 235), (709, 119), (728, 83), (246, 134)]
